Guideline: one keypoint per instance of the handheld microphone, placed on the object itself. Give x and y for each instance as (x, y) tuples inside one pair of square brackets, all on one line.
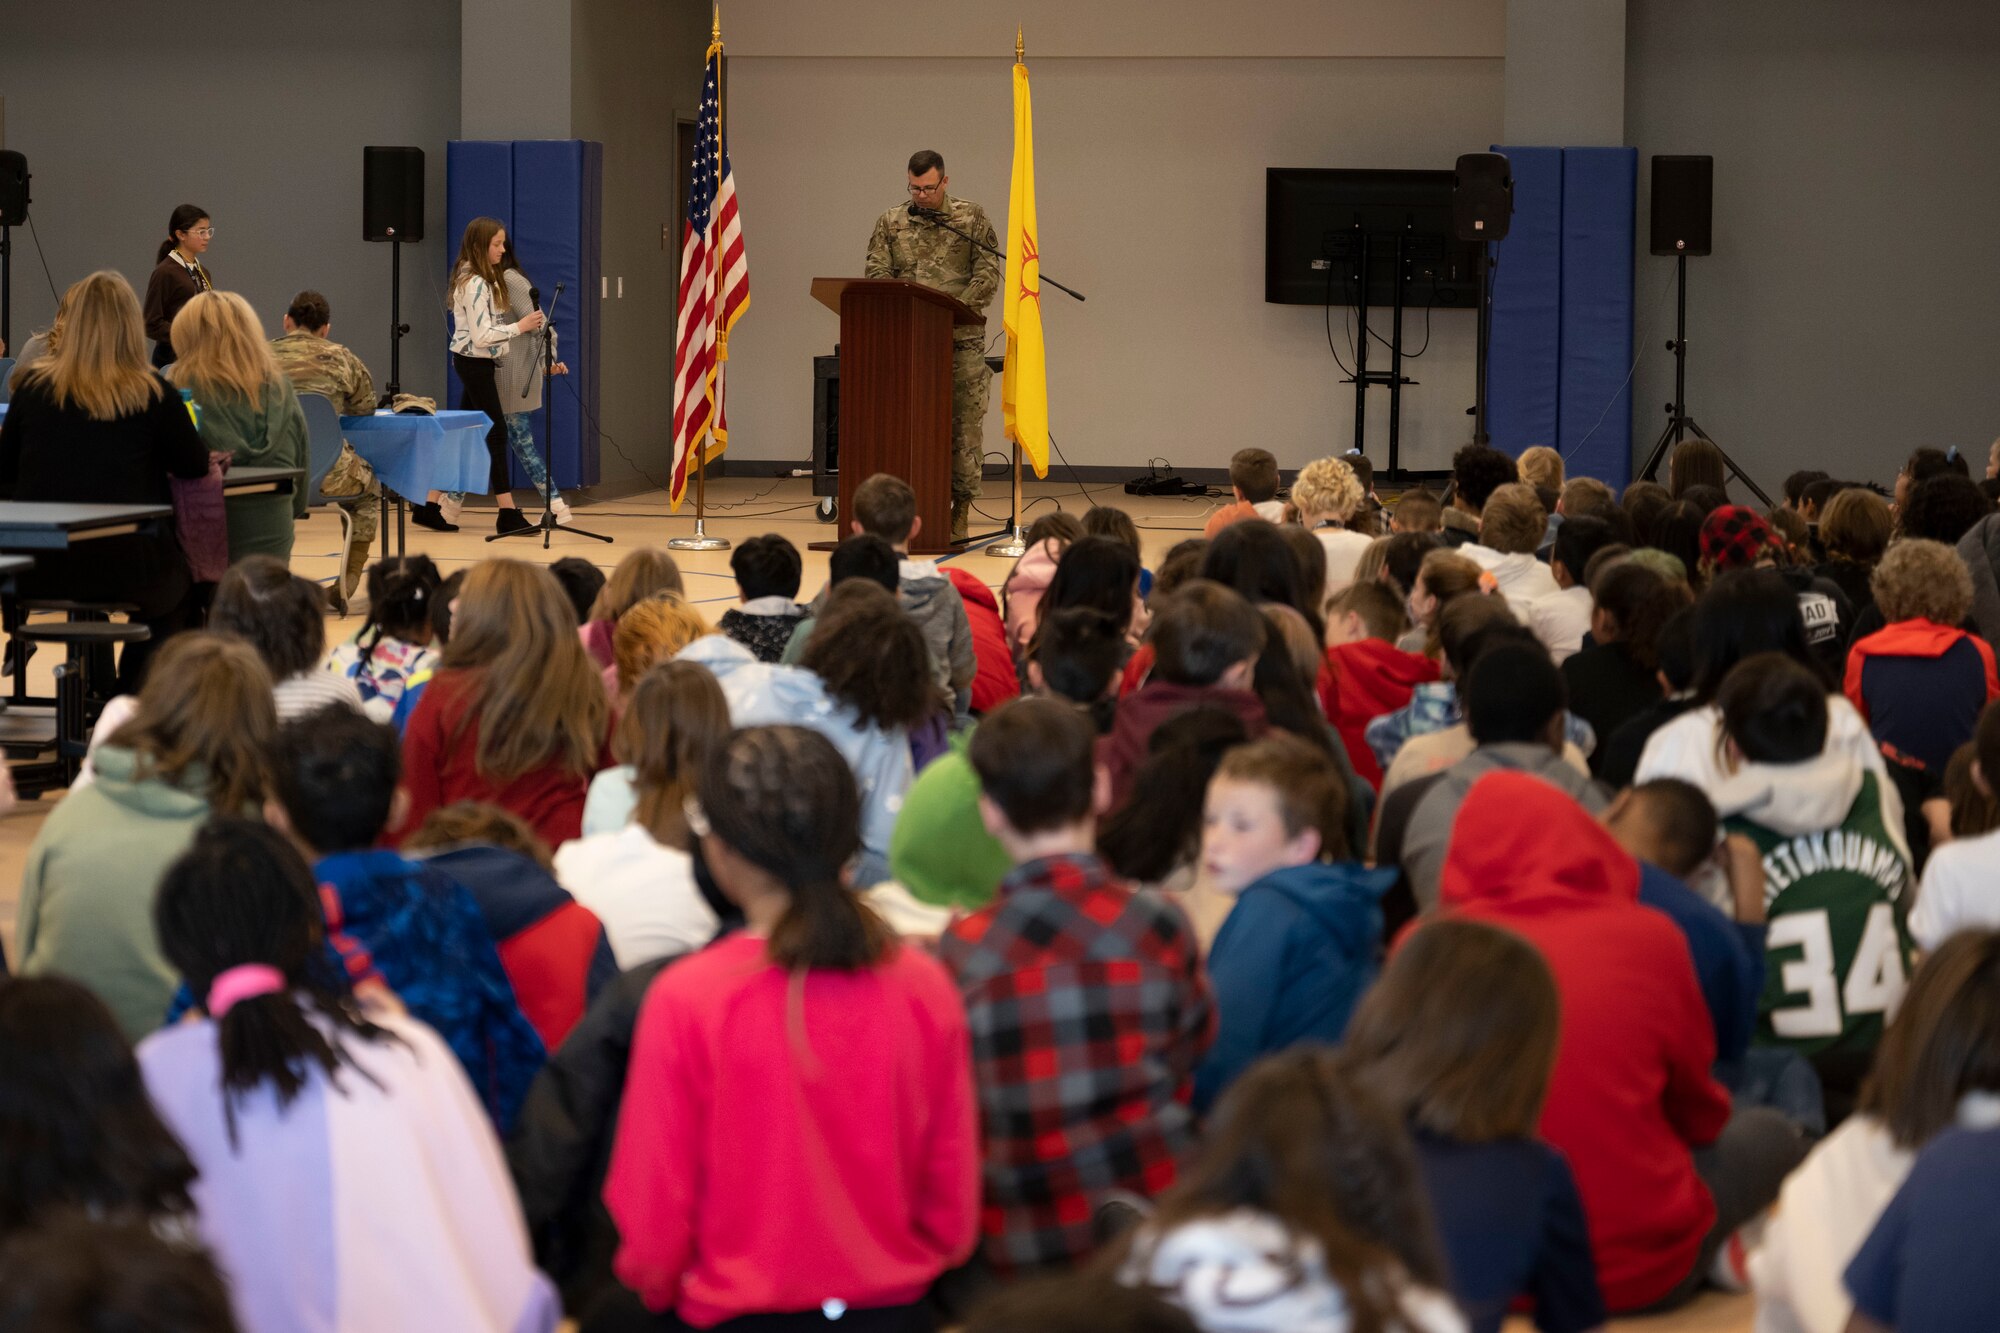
[(535, 297)]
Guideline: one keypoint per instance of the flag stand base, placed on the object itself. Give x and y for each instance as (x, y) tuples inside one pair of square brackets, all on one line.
[(700, 541)]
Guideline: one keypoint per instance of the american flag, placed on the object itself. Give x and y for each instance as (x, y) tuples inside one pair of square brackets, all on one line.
[(715, 276)]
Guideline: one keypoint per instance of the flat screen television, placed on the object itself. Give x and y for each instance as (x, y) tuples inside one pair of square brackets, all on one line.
[(1314, 222)]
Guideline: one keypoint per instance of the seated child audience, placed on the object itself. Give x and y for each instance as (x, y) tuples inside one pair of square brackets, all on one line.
[(553, 948), (1562, 619), (197, 746), (1616, 675), (1402, 556), (1477, 470), (1364, 676), (1460, 1037), (1408, 742), (1632, 1097), (1961, 881), (1735, 538), (886, 507), (632, 866), (1110, 521), (1510, 532), (638, 576), (650, 632), (1253, 481), (1441, 579), (1514, 709), (1670, 829), (581, 582), (1643, 502), (394, 643), (767, 571), (1920, 680), (333, 790), (283, 617), (1616, 760), (1928, 1263), (1327, 495), (1854, 531), (285, 1093), (1100, 573), (420, 679), (799, 1082), (84, 1270), (1303, 1209), (861, 556), (1417, 510), (1938, 1066), (1063, 1124), (1839, 873), (80, 1133), (1254, 558), (1298, 947), (1206, 640), (515, 714), (1021, 591)]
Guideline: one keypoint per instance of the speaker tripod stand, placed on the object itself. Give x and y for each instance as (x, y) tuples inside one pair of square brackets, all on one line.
[(1680, 424)]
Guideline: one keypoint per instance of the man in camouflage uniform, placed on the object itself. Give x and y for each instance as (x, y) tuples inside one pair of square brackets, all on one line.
[(316, 364), (906, 246)]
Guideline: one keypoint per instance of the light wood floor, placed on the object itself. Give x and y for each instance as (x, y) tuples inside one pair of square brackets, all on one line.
[(739, 508)]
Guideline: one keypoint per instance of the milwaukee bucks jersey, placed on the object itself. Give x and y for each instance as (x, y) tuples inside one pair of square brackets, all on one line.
[(1837, 952)]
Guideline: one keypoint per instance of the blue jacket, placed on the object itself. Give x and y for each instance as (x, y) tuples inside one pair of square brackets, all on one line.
[(1728, 957), (1289, 963)]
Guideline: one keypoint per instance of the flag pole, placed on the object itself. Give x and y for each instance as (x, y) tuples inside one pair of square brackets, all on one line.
[(1015, 544), (700, 540)]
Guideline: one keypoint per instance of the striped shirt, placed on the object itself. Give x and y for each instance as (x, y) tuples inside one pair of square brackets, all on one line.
[(312, 690)]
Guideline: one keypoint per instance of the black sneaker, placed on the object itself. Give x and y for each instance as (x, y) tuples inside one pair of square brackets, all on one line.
[(428, 515), (511, 520)]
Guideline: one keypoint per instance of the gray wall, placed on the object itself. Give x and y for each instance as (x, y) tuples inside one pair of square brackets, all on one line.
[(1847, 313), (253, 110), (637, 68), (1153, 127)]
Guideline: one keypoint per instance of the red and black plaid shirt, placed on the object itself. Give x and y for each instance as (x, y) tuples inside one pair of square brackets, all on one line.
[(1089, 1011)]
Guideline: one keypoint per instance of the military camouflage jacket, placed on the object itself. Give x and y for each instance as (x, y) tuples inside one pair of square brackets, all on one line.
[(903, 247), (318, 365)]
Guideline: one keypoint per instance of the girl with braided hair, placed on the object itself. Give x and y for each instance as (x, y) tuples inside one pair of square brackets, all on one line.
[(800, 1082), (349, 1179)]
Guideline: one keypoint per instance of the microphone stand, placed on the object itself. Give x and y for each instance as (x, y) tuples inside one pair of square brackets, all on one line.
[(1015, 545), (548, 526)]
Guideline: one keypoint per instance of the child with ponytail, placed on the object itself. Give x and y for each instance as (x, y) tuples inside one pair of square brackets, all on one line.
[(348, 1178), (394, 644), (801, 1080)]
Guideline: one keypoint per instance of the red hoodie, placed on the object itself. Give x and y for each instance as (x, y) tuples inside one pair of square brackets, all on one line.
[(1632, 1095), (1359, 682), (995, 683), (1141, 713)]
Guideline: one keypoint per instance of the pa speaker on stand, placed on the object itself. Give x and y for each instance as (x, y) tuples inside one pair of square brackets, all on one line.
[(1682, 225), (1482, 205), (392, 209), (13, 213)]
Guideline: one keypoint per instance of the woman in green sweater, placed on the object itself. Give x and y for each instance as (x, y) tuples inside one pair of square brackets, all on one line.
[(197, 745), (248, 411)]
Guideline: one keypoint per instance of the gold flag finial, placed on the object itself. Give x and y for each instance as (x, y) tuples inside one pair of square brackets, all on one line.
[(1020, 48), (715, 33)]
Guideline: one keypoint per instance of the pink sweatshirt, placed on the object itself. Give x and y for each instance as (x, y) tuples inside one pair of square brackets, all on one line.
[(785, 1144)]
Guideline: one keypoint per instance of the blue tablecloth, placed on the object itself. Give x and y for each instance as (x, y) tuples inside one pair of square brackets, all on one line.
[(415, 454)]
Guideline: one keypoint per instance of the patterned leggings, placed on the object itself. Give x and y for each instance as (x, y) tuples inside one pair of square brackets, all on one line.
[(521, 439)]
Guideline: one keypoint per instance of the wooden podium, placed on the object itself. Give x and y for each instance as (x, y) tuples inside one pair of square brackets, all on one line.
[(895, 392)]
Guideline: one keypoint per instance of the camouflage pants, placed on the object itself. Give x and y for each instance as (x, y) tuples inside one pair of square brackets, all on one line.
[(971, 383), (352, 483)]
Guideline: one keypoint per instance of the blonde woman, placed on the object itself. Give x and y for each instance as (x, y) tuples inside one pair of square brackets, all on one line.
[(1328, 495), (91, 423), (248, 411)]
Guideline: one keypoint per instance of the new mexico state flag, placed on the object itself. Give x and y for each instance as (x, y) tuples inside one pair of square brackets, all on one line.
[(1024, 384)]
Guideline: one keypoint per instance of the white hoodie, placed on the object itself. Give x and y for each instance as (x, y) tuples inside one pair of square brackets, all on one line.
[(1242, 1272)]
